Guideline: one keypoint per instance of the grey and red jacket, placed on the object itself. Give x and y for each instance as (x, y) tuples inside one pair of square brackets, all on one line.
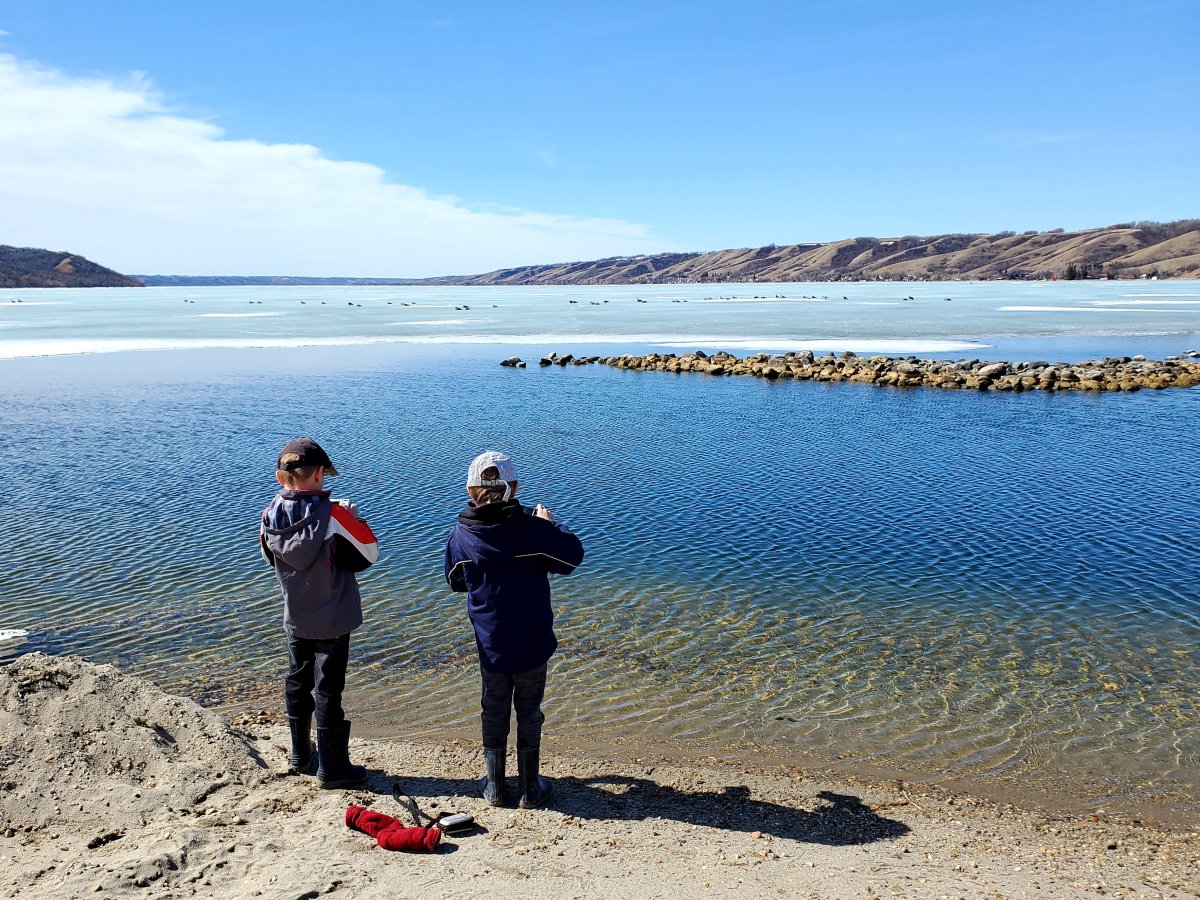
[(500, 557), (316, 547)]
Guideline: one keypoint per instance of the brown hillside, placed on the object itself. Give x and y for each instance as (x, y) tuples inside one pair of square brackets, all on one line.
[(28, 267), (1143, 249)]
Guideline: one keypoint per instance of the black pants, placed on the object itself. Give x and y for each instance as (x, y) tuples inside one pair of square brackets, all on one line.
[(317, 677), (506, 691)]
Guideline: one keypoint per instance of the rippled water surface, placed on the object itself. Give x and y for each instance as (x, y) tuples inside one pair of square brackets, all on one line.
[(997, 592)]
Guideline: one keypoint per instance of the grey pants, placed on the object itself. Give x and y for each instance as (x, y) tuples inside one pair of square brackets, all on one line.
[(506, 691)]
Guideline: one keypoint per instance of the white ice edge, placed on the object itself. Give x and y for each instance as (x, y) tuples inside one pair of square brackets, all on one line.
[(250, 315), (858, 345), (77, 347), (1148, 294), (1155, 302), (1085, 309), (12, 634)]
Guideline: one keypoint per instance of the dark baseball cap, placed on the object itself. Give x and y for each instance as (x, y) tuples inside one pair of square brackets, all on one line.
[(304, 451)]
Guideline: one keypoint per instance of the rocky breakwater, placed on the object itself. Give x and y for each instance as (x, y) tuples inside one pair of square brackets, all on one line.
[(1120, 373)]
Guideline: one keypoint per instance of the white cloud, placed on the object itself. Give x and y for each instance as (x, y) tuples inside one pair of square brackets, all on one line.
[(103, 168)]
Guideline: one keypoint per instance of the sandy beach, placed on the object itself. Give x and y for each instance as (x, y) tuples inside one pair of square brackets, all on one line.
[(114, 788)]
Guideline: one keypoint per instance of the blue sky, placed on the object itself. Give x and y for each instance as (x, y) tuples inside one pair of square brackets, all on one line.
[(392, 138)]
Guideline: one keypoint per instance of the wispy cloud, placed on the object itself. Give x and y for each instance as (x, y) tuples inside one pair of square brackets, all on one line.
[(547, 158), (1036, 138), (103, 168)]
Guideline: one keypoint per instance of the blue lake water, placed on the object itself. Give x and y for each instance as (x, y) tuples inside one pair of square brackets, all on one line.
[(994, 592)]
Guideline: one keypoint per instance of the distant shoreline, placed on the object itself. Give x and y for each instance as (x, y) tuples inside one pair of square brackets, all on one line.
[(1130, 251), (287, 280), (1143, 250)]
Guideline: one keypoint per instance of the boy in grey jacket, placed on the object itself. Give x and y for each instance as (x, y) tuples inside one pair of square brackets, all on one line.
[(315, 546)]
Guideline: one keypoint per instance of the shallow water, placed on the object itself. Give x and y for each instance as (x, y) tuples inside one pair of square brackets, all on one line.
[(992, 591)]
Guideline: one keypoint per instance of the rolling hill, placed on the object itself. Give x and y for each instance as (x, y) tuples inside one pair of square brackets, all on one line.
[(1134, 250), (28, 267), (1138, 250)]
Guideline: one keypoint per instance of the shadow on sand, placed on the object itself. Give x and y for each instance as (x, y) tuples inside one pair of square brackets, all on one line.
[(838, 820)]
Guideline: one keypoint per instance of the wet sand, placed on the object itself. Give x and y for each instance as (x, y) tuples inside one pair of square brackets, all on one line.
[(113, 788)]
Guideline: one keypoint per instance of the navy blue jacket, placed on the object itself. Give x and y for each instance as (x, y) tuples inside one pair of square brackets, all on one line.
[(501, 556)]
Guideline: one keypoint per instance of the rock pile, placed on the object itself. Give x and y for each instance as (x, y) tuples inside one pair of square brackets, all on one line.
[(1119, 373)]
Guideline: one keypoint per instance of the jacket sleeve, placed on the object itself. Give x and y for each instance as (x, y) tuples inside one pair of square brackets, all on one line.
[(560, 550), (355, 546), (455, 568), (262, 540)]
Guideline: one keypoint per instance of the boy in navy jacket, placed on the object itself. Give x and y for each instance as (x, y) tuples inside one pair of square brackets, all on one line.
[(500, 554), (315, 546)]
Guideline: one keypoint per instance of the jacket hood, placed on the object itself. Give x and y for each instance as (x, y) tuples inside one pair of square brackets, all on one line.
[(294, 526), (490, 541)]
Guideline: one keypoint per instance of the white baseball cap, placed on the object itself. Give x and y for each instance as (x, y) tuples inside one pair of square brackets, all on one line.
[(491, 459)]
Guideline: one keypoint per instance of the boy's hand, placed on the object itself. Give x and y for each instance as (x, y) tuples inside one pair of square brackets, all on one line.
[(543, 513), (346, 504)]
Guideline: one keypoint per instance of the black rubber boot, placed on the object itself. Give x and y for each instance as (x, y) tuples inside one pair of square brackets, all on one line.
[(534, 789), (301, 760), (333, 758), (492, 784)]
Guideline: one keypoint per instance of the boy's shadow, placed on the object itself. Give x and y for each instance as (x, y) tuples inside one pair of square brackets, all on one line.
[(841, 819)]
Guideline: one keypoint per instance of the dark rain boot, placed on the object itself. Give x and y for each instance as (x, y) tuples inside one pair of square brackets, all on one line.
[(534, 789), (301, 760), (492, 784), (333, 758)]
